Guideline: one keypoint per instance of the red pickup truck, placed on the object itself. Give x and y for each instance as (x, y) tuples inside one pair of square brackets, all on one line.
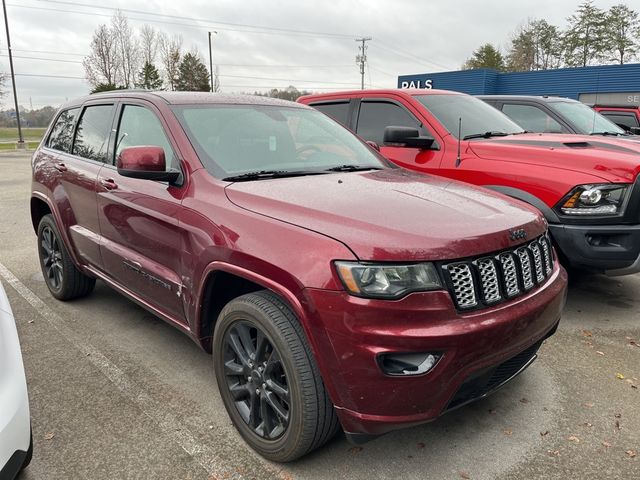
[(587, 187), (626, 117)]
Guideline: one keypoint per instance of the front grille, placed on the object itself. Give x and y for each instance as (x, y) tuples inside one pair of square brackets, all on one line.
[(484, 382), (489, 280)]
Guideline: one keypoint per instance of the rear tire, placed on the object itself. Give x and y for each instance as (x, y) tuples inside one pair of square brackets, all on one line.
[(268, 378), (64, 280)]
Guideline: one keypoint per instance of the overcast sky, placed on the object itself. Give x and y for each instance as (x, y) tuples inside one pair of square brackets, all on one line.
[(408, 37)]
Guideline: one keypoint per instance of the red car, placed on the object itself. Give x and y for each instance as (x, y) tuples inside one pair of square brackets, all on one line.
[(332, 287), (626, 117), (587, 187)]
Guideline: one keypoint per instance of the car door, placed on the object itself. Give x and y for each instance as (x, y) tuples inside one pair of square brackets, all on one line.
[(78, 147), (376, 114), (141, 242)]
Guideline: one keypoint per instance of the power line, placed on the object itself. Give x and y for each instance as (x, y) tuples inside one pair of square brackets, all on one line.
[(288, 80), (240, 26), (45, 59), (410, 56), (49, 52)]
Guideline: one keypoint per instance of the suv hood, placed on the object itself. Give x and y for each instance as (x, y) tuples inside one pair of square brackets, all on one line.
[(610, 159), (393, 215)]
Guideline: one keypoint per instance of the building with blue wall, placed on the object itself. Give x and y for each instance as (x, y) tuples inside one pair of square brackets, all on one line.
[(606, 84)]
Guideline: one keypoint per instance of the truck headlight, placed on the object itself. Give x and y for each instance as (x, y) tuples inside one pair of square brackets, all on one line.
[(387, 281), (603, 199)]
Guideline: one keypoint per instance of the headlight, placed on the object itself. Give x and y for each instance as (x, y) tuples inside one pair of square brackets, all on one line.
[(605, 199), (387, 281)]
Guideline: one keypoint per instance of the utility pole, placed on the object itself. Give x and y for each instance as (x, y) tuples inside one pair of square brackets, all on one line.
[(210, 61), (361, 58), (13, 77)]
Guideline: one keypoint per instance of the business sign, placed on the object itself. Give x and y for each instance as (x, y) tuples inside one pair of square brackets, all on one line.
[(611, 99), (428, 84)]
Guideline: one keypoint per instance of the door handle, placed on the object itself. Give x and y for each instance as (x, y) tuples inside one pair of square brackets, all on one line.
[(61, 167), (109, 183)]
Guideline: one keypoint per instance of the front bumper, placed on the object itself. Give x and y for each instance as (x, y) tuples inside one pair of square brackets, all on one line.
[(369, 402), (15, 425), (613, 249)]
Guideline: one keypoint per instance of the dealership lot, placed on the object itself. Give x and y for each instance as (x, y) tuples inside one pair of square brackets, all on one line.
[(117, 393)]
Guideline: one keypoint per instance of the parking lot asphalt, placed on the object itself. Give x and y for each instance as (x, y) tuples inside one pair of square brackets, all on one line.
[(117, 393)]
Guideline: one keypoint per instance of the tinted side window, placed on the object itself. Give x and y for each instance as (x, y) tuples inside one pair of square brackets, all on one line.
[(623, 120), (532, 118), (140, 126), (374, 117), (339, 111), (92, 135), (61, 136)]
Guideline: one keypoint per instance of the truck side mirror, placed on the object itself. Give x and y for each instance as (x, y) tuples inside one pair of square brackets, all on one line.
[(408, 137)]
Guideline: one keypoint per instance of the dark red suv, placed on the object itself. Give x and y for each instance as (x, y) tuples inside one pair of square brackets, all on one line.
[(333, 288)]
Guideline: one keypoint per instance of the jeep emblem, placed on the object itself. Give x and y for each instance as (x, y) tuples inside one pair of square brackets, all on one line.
[(519, 234)]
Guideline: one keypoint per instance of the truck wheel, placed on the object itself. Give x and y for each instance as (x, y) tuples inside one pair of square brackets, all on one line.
[(268, 378), (64, 280)]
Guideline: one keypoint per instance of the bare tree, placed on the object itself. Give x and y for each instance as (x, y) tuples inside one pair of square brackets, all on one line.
[(103, 63), (127, 48), (170, 53), (216, 79), (149, 39)]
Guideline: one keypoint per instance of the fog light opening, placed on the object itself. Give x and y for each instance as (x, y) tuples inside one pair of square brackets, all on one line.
[(407, 364)]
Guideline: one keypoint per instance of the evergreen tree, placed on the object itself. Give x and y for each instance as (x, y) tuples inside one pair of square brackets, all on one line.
[(149, 78), (192, 74), (487, 56), (584, 40), (622, 33)]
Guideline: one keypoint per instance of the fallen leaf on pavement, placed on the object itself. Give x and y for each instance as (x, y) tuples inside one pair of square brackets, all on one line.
[(587, 405), (49, 436), (618, 425), (606, 444), (599, 352), (554, 453), (508, 432), (587, 333), (573, 439), (524, 400), (631, 453), (355, 449), (546, 432), (617, 415), (30, 321), (633, 343), (464, 475), (587, 424), (619, 376)]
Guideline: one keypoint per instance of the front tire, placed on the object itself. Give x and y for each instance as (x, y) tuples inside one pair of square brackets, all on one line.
[(63, 279), (268, 379)]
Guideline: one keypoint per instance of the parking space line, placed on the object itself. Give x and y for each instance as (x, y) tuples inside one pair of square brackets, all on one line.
[(163, 417)]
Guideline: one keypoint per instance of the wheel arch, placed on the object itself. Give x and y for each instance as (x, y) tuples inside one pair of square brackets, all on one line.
[(526, 197), (39, 208), (236, 281)]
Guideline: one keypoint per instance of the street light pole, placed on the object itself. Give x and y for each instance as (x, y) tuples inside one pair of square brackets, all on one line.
[(13, 77), (210, 59)]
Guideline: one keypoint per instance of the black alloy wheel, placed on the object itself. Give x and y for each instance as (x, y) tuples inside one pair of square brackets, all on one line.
[(62, 277), (268, 379), (51, 258), (257, 380)]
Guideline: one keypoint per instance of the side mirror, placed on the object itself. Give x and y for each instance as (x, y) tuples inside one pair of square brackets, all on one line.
[(634, 130), (145, 162), (408, 137)]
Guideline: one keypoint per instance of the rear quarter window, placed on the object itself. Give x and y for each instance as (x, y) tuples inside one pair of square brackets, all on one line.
[(61, 136)]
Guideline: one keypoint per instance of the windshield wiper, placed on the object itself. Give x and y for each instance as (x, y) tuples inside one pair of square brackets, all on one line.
[(264, 174), (606, 134), (485, 135), (352, 168)]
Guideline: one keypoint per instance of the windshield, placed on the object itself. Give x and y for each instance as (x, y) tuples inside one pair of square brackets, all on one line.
[(585, 119), (477, 116), (233, 140)]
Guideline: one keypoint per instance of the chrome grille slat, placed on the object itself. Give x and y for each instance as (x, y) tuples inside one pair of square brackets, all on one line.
[(463, 284), (494, 279), (510, 274), (534, 248), (489, 283), (525, 266)]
